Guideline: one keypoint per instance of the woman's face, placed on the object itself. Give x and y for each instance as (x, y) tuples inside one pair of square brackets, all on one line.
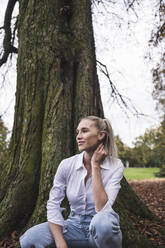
[(88, 135)]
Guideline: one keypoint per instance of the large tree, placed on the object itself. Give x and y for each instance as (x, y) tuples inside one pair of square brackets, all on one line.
[(158, 40), (57, 84)]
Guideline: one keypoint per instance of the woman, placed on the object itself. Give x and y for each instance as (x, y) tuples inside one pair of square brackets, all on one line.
[(91, 181)]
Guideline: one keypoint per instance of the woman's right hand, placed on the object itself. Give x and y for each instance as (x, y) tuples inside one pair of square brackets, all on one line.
[(56, 230)]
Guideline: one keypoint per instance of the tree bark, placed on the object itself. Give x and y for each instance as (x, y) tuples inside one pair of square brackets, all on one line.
[(57, 84)]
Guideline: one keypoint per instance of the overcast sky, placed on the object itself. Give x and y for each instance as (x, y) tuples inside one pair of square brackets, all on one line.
[(122, 50)]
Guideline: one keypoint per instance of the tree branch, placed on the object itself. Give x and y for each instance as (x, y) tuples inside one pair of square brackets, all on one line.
[(7, 42), (124, 102)]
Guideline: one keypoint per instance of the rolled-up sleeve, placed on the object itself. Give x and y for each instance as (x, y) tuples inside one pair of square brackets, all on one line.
[(113, 185), (57, 193)]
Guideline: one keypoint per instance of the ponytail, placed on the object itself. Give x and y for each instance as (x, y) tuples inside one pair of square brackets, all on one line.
[(105, 126), (109, 140)]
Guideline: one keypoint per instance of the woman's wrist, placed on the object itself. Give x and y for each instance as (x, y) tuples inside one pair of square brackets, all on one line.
[(60, 242), (95, 165)]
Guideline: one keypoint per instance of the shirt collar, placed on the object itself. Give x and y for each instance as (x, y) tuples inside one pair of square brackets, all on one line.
[(104, 165), (79, 163)]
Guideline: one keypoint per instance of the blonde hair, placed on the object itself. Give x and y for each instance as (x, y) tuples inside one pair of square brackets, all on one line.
[(104, 125)]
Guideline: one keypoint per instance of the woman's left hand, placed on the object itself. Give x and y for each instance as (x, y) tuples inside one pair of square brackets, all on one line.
[(98, 155)]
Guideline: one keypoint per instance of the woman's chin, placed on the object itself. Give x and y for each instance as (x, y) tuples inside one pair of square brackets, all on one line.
[(81, 149), (87, 149)]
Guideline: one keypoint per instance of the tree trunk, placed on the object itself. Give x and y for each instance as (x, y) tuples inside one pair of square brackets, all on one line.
[(57, 84)]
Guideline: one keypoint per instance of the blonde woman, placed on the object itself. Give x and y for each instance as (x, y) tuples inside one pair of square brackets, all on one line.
[(91, 181)]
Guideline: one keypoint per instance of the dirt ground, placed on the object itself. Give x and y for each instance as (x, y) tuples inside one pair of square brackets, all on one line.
[(152, 193)]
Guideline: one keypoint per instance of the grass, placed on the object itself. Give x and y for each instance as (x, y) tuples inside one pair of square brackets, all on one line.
[(140, 173)]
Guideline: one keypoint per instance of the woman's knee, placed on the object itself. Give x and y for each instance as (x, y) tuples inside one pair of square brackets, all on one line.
[(38, 236), (26, 242), (106, 220), (105, 228), (29, 239)]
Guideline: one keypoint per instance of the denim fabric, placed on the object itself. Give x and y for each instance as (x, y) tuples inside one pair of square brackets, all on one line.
[(80, 231)]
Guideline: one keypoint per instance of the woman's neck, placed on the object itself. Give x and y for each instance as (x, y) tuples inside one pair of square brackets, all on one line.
[(87, 158)]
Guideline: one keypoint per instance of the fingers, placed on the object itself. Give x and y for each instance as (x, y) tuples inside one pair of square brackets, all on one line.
[(100, 146), (101, 149), (99, 154)]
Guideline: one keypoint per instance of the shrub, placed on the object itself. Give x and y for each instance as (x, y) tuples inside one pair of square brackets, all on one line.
[(161, 173)]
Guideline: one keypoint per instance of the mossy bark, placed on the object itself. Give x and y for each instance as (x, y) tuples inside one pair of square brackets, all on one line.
[(57, 84)]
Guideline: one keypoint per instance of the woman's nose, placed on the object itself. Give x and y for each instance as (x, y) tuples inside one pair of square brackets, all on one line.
[(78, 136)]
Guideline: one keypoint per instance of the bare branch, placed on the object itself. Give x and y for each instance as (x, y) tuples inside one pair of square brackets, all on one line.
[(7, 42), (130, 4), (123, 102), (7, 108)]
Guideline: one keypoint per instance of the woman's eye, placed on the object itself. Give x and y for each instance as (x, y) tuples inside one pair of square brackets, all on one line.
[(82, 131), (85, 130)]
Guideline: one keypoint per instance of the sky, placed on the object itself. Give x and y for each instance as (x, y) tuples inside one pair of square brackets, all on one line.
[(123, 51)]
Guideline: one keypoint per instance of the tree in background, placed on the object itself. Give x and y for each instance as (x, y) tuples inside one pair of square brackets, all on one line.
[(148, 149), (160, 148), (123, 150), (158, 40), (144, 149)]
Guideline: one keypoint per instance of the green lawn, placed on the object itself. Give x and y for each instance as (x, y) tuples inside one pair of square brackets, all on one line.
[(140, 173)]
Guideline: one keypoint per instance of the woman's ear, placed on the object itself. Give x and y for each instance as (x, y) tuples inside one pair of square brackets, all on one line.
[(101, 136)]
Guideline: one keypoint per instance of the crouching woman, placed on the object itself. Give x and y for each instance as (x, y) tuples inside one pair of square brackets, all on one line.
[(91, 181)]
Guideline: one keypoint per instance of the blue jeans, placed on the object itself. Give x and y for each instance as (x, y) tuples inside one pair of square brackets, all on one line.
[(80, 231)]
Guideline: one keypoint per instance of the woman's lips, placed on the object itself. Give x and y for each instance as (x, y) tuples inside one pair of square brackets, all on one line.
[(80, 143)]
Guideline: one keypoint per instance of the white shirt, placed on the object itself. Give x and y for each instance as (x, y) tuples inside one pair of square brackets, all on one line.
[(70, 178)]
